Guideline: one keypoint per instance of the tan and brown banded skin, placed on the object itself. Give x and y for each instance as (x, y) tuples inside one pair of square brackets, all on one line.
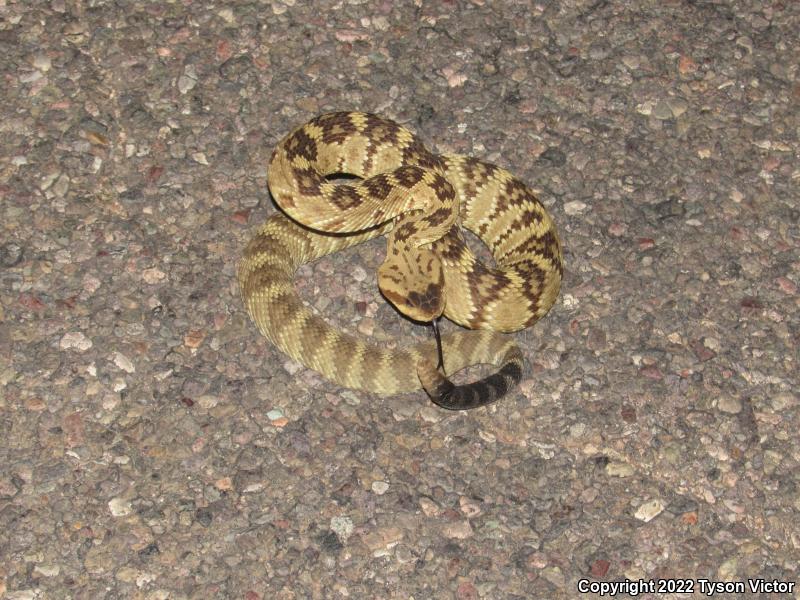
[(420, 201)]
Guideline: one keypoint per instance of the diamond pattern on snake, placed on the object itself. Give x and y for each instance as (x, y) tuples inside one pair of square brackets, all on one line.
[(421, 202)]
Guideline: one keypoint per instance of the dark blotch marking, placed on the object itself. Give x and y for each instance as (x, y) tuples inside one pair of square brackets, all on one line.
[(381, 131), (404, 231), (336, 127), (409, 176), (525, 217), (416, 153), (345, 197), (378, 186), (519, 193), (265, 243), (546, 245), (452, 247), (301, 144), (533, 281), (500, 207), (428, 300), (443, 188), (437, 217), (478, 171), (309, 181), (485, 280)]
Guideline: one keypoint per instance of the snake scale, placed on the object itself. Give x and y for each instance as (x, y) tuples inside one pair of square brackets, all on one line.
[(420, 201)]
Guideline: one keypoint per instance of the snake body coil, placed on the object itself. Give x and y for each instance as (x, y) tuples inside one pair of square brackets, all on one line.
[(420, 201)]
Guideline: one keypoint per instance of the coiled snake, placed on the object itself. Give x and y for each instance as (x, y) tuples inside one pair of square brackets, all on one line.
[(420, 200)]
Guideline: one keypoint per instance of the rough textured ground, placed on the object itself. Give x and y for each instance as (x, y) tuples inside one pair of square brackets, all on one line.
[(154, 446)]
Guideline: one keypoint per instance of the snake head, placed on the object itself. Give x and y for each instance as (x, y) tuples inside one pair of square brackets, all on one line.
[(413, 281)]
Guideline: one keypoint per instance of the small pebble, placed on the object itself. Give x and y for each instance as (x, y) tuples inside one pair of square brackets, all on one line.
[(380, 487), (75, 341), (120, 507), (649, 510), (662, 110), (124, 363), (342, 527), (574, 207), (460, 530), (729, 404)]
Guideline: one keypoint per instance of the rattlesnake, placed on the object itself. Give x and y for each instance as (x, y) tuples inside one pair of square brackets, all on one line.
[(420, 200)]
